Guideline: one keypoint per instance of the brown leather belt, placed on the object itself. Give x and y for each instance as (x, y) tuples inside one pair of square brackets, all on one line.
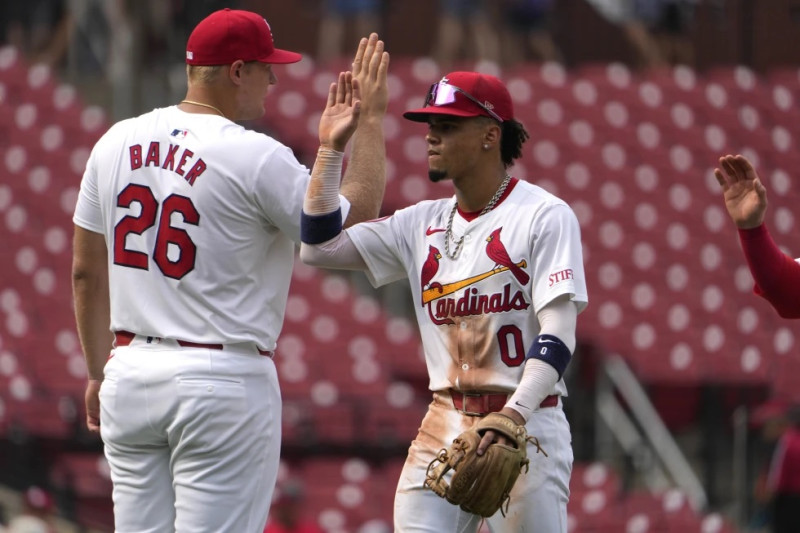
[(481, 404), (124, 338)]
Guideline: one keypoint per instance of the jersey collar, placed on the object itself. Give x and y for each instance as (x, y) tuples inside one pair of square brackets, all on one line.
[(469, 216)]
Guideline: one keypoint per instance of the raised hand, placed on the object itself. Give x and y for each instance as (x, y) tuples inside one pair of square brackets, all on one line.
[(340, 117), (370, 67), (744, 194)]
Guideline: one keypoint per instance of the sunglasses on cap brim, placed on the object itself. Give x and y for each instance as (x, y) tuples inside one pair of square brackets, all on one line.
[(443, 93)]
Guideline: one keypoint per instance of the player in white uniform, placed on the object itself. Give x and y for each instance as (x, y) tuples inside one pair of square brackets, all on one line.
[(185, 232), (497, 276)]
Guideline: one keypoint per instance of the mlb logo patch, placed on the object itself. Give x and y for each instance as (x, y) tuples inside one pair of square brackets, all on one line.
[(179, 134), (189, 55)]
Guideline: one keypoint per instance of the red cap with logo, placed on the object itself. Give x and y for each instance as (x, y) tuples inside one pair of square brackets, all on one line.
[(466, 94), (228, 35)]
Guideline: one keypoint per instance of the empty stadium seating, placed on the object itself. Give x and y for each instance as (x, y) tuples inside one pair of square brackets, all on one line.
[(335, 489), (633, 155)]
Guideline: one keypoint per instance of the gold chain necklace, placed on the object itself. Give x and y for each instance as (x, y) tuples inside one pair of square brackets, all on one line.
[(448, 234), (201, 104)]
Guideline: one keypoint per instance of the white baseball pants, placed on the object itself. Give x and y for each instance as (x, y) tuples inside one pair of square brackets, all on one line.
[(538, 500), (192, 436)]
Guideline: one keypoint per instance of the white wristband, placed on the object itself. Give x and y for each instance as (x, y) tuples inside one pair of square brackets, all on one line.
[(322, 196), (538, 380)]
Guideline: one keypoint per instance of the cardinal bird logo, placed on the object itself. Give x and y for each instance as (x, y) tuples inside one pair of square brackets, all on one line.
[(430, 267), (497, 252)]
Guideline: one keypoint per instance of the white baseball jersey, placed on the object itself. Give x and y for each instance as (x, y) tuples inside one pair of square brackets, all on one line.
[(200, 216), (477, 312)]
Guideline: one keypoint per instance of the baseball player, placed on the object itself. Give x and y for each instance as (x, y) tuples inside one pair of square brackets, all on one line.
[(776, 275), (497, 276), (185, 232)]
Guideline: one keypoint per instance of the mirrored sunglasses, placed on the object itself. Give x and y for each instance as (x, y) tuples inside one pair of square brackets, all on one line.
[(443, 93)]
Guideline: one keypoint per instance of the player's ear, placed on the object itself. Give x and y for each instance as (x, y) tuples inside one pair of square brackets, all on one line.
[(491, 134), (236, 71)]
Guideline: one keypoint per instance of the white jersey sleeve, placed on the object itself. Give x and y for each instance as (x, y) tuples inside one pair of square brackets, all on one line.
[(384, 247), (88, 213), (273, 204), (556, 245)]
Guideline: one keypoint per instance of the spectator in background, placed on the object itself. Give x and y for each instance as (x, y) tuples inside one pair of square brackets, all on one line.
[(364, 14), (37, 513), (40, 29), (528, 24), (633, 17), (783, 481), (286, 514), (776, 275), (670, 22), (457, 20)]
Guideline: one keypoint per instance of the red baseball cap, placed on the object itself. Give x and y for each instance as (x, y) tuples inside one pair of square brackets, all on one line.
[(228, 35), (466, 94)]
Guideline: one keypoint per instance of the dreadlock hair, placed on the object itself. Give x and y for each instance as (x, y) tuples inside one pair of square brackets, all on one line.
[(513, 136)]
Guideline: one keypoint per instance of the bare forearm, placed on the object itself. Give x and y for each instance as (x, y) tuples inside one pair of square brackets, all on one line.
[(91, 295), (365, 178), (92, 315)]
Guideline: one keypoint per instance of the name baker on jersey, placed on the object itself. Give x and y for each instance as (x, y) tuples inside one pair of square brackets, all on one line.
[(170, 161)]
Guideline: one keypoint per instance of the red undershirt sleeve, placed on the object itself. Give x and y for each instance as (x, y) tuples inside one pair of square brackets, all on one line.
[(777, 275)]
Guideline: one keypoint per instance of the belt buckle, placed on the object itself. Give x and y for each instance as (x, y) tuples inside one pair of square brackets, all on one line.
[(464, 396)]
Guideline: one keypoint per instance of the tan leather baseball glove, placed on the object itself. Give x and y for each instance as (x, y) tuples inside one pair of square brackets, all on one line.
[(481, 484)]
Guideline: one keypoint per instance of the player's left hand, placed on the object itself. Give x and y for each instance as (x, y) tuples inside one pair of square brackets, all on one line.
[(370, 70), (340, 117), (92, 399), (491, 437)]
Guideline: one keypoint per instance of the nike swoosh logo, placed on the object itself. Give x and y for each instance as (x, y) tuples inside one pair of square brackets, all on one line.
[(523, 406), (430, 231)]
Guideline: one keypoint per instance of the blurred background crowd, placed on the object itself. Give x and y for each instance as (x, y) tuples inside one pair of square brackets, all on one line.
[(684, 391), (127, 54)]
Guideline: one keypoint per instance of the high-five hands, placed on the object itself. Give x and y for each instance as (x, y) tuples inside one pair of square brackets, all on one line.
[(744, 194), (340, 117), (370, 67), (358, 95)]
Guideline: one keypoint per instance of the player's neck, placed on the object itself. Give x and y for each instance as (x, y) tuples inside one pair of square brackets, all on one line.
[(475, 193), (205, 102)]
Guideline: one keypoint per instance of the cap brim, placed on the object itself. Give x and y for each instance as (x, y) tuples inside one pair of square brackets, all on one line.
[(422, 114), (281, 57)]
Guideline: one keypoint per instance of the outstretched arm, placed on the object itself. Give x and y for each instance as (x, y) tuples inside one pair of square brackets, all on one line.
[(323, 244), (365, 179), (338, 252), (777, 275), (558, 321)]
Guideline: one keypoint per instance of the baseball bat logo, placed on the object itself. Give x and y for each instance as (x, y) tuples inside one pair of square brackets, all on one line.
[(495, 250)]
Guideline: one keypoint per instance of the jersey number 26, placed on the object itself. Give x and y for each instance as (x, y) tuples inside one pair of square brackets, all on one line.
[(166, 233)]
